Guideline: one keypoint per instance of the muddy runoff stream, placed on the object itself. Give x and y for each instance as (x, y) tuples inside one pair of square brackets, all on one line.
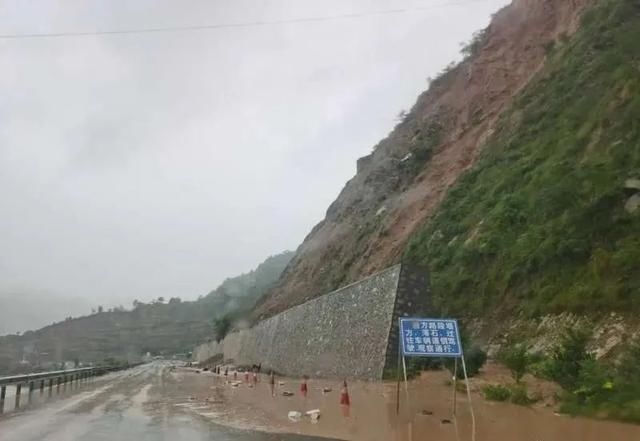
[(372, 414)]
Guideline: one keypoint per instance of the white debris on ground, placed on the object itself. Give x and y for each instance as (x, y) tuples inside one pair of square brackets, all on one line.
[(313, 414), (295, 415)]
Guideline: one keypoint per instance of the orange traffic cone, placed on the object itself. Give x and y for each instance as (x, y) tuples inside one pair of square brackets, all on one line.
[(235, 375), (303, 387), (344, 395)]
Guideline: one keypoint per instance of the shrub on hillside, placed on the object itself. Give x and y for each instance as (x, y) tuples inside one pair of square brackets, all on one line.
[(222, 327), (496, 392), (520, 395), (516, 358), (569, 357), (474, 358), (516, 394)]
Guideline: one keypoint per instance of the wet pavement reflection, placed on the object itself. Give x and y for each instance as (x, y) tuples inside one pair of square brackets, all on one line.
[(128, 405)]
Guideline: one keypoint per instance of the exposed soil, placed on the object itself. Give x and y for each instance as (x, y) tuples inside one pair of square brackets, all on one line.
[(367, 227)]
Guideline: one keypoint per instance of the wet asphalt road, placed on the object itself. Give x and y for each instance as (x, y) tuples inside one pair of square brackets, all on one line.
[(139, 404)]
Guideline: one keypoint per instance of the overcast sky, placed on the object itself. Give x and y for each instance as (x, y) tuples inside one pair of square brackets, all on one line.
[(146, 165)]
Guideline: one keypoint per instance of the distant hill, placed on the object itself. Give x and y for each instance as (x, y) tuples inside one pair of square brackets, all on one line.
[(168, 327)]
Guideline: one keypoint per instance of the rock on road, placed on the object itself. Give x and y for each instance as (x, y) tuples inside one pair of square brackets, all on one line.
[(138, 404)]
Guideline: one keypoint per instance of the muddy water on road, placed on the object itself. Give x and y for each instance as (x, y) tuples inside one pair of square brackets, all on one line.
[(128, 405), (372, 415)]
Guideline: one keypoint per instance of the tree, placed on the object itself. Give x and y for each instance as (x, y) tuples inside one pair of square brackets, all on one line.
[(516, 358), (473, 46), (160, 299), (402, 115), (569, 356), (100, 309), (629, 365), (222, 327), (174, 300)]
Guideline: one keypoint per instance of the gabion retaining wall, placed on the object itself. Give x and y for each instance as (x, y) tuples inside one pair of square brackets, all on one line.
[(347, 333)]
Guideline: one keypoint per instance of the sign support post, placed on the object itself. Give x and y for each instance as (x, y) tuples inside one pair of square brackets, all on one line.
[(473, 417), (406, 383), (455, 385), (438, 338), (398, 379)]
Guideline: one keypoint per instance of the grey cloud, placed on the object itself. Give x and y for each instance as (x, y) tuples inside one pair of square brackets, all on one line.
[(154, 165)]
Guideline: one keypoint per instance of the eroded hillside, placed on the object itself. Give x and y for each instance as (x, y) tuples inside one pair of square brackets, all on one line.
[(401, 184)]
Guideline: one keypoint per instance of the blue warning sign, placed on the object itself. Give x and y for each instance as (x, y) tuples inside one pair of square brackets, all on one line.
[(429, 337)]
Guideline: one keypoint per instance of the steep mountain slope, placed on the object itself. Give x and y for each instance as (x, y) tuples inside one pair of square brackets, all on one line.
[(401, 184), (170, 327), (544, 222)]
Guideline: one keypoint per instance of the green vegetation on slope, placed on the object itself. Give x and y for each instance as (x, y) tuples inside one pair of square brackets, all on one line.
[(596, 388), (538, 224), (157, 327)]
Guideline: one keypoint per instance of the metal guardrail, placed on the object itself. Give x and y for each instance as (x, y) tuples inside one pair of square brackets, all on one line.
[(38, 375), (60, 378)]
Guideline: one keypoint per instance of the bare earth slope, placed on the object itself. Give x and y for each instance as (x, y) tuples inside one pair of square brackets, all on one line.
[(401, 183)]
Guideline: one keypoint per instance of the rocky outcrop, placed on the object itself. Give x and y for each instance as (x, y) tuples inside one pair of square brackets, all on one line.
[(633, 203), (411, 170), (609, 333)]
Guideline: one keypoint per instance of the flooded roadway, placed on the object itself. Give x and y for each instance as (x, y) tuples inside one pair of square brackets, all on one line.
[(139, 404)]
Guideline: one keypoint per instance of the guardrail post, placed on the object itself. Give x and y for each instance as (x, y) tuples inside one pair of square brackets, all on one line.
[(18, 389), (58, 381), (31, 387), (41, 387), (3, 393), (50, 387)]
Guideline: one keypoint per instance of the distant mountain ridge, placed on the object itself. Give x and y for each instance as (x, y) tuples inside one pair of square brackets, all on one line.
[(167, 327)]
